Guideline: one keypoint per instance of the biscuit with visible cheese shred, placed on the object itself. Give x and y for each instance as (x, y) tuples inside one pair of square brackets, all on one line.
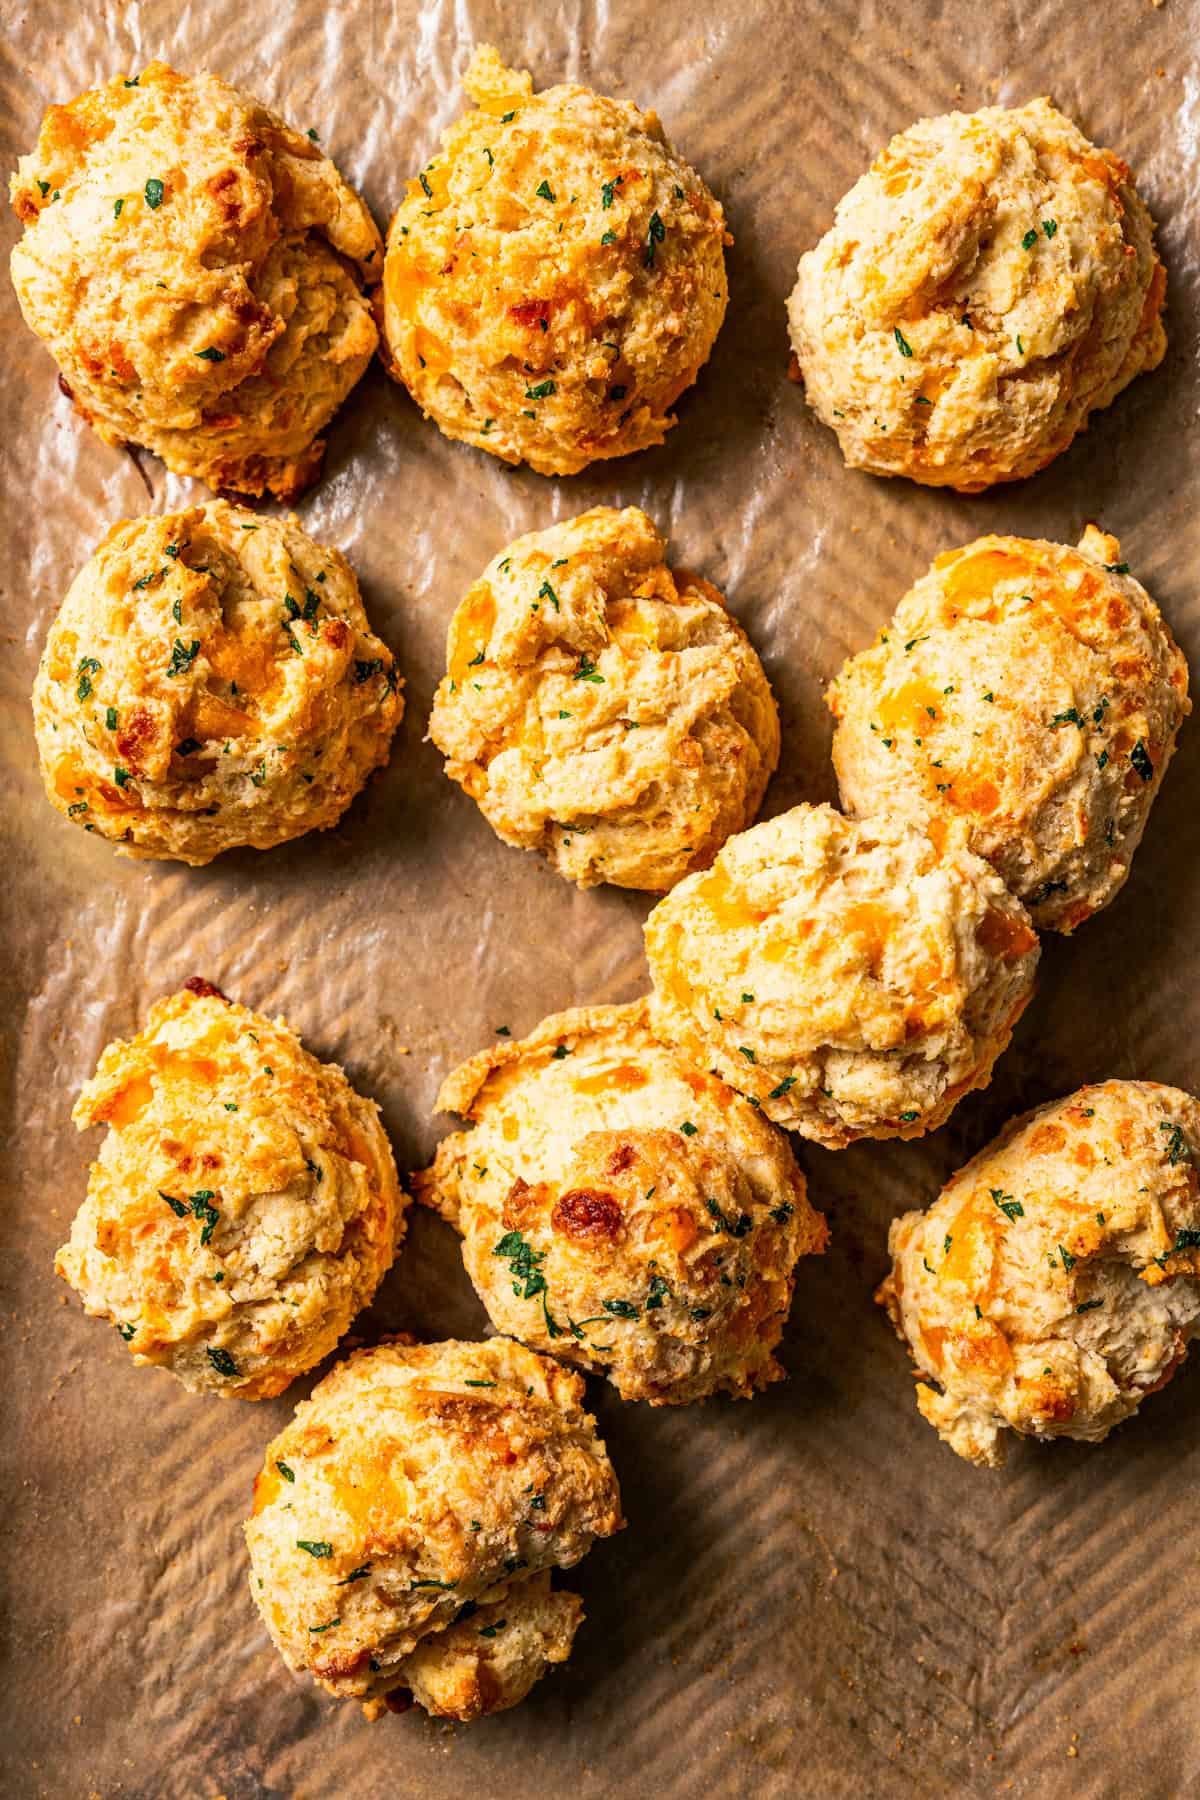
[(987, 285), (406, 1521), (623, 1210), (555, 277), (854, 977), (244, 1205), (196, 269), (210, 681), (1032, 691), (603, 709), (1055, 1281)]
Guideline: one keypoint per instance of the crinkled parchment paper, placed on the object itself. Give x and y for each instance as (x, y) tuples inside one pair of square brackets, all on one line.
[(814, 1597)]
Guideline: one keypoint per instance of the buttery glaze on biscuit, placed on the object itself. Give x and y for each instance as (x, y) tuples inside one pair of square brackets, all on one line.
[(1032, 691), (244, 1205), (987, 285), (1055, 1281), (622, 1210), (406, 1521), (210, 681), (603, 709), (555, 277), (855, 978), (196, 269)]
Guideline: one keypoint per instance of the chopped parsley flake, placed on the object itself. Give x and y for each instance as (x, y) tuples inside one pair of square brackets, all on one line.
[(221, 1361), (902, 343), (183, 656), (154, 191), (541, 392), (655, 234), (212, 354), (1030, 238), (525, 1266), (687, 1128), (1012, 1209), (544, 191), (288, 1474), (1139, 756), (316, 1547), (587, 670)]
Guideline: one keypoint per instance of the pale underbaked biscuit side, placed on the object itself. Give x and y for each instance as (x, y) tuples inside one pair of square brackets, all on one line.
[(211, 680), (1055, 1281), (196, 269), (244, 1205), (854, 977), (1033, 691), (555, 277), (418, 1483), (989, 283), (603, 709), (622, 1209)]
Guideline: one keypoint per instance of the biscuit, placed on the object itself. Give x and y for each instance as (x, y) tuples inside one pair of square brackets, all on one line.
[(210, 681), (603, 709), (406, 1519), (244, 1205), (855, 978), (621, 1209), (988, 284), (1031, 690), (196, 269), (555, 277), (1055, 1281)]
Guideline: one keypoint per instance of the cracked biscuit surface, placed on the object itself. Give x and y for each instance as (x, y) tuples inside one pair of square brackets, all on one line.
[(603, 709), (1033, 691), (555, 277), (623, 1210), (196, 268), (406, 1521), (1055, 1281), (989, 283), (211, 681), (854, 977), (244, 1205)]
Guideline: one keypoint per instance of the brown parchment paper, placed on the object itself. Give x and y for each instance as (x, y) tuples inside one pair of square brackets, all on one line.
[(814, 1597)]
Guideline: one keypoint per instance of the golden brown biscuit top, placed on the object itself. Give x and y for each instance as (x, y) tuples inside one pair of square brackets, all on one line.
[(416, 1479), (176, 187), (585, 682), (1035, 691), (203, 648)]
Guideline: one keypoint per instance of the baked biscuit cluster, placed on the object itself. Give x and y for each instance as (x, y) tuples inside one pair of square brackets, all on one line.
[(555, 278), (406, 1521), (854, 978), (1033, 692), (1055, 1281), (244, 1205), (196, 268), (626, 1197), (210, 681), (988, 284), (622, 1210), (602, 708)]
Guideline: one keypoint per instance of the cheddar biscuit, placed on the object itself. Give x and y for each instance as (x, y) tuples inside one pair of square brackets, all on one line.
[(603, 709), (196, 269), (406, 1521), (853, 977), (555, 277), (988, 284), (210, 681), (1055, 1281), (623, 1210), (1032, 691), (244, 1205)]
